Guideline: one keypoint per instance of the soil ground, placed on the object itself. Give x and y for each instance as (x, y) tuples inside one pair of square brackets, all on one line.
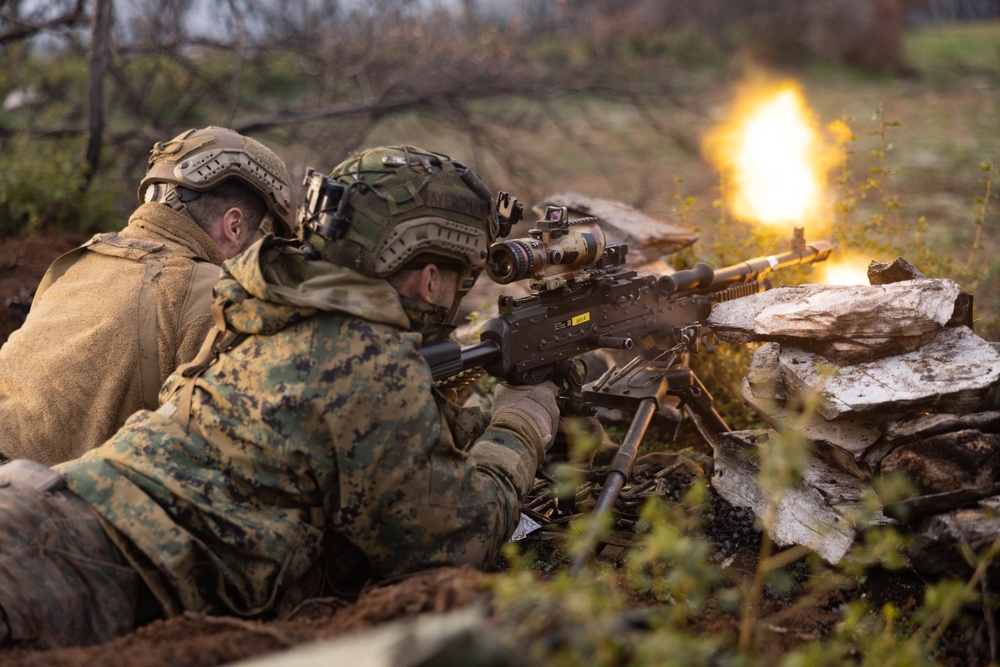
[(202, 641), (23, 260)]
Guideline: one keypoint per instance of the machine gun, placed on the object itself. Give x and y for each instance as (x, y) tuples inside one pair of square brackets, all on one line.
[(584, 298)]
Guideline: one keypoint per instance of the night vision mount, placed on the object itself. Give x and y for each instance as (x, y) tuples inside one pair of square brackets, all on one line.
[(324, 208)]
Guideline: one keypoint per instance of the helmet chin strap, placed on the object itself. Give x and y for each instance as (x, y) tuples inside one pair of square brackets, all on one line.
[(453, 311), (265, 227)]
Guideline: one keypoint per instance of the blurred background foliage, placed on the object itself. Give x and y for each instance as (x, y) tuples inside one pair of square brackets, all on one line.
[(607, 98)]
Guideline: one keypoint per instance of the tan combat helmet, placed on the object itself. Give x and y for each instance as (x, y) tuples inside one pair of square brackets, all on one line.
[(398, 202), (198, 160)]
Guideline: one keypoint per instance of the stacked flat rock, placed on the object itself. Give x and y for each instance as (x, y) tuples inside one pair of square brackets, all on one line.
[(880, 379), (855, 364)]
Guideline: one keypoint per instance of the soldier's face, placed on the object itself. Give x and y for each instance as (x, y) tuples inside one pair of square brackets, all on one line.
[(445, 288)]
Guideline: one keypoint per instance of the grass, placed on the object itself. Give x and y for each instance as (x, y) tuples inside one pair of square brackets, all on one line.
[(972, 48)]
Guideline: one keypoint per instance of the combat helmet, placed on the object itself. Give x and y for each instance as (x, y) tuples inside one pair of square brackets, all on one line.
[(198, 160), (385, 206)]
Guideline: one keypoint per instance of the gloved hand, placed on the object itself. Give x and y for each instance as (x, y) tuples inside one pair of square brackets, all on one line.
[(578, 436), (515, 406)]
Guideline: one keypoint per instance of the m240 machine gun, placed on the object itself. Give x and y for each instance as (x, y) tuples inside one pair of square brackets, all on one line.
[(584, 298)]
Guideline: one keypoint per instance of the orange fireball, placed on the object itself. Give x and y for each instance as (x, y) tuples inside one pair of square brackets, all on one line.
[(842, 270), (773, 156)]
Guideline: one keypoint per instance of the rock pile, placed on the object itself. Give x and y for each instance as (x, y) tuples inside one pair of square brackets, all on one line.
[(881, 379)]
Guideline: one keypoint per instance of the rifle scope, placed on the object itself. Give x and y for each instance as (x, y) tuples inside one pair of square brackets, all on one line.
[(556, 245)]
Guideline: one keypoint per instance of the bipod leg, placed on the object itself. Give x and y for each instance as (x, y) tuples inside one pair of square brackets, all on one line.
[(700, 408), (618, 474)]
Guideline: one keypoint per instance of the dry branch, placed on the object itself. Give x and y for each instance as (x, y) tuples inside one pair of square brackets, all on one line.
[(24, 30)]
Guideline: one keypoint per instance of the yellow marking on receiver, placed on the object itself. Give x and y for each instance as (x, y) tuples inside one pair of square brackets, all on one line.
[(580, 319)]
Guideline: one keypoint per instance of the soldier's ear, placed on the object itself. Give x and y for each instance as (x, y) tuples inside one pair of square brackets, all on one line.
[(233, 226), (428, 283)]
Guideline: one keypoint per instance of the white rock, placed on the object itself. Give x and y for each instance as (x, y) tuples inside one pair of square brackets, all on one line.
[(817, 313), (842, 443), (953, 373), (908, 308), (819, 513)]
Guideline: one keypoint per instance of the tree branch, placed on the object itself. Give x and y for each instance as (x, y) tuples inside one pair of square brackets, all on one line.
[(27, 29)]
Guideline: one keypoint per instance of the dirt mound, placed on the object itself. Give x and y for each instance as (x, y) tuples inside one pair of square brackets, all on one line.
[(23, 260), (197, 640)]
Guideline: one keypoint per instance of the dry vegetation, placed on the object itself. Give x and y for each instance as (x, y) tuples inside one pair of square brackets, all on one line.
[(610, 104)]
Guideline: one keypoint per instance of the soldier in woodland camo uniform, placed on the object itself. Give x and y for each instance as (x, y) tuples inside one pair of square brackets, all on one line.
[(304, 448)]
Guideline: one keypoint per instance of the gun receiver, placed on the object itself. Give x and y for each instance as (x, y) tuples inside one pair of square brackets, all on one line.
[(583, 298), (597, 304)]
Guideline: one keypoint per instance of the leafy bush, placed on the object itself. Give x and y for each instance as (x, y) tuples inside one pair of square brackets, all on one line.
[(39, 190)]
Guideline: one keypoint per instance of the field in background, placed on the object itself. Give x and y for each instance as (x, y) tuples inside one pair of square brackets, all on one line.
[(948, 115), (564, 110), (940, 124)]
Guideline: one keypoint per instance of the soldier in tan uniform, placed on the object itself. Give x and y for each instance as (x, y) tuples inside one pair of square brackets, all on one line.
[(113, 318), (304, 450)]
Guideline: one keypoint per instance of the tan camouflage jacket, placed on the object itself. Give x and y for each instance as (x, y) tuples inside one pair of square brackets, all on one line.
[(317, 435), (123, 305)]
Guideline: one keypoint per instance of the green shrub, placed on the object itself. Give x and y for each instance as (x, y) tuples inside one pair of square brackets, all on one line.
[(40, 189)]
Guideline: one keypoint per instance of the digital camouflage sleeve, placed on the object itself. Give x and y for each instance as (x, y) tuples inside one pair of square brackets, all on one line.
[(320, 421)]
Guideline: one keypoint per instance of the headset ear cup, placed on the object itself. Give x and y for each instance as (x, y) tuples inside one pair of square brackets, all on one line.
[(153, 193)]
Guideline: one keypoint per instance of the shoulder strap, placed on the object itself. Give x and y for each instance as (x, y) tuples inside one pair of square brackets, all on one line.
[(218, 340), (149, 352)]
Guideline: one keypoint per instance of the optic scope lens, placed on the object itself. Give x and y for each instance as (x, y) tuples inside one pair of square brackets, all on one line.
[(509, 261)]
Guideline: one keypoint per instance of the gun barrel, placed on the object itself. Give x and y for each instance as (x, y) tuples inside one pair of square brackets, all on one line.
[(700, 275), (703, 277), (758, 267)]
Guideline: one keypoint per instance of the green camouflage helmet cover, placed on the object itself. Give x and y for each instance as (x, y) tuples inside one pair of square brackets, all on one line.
[(405, 201), (201, 159)]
